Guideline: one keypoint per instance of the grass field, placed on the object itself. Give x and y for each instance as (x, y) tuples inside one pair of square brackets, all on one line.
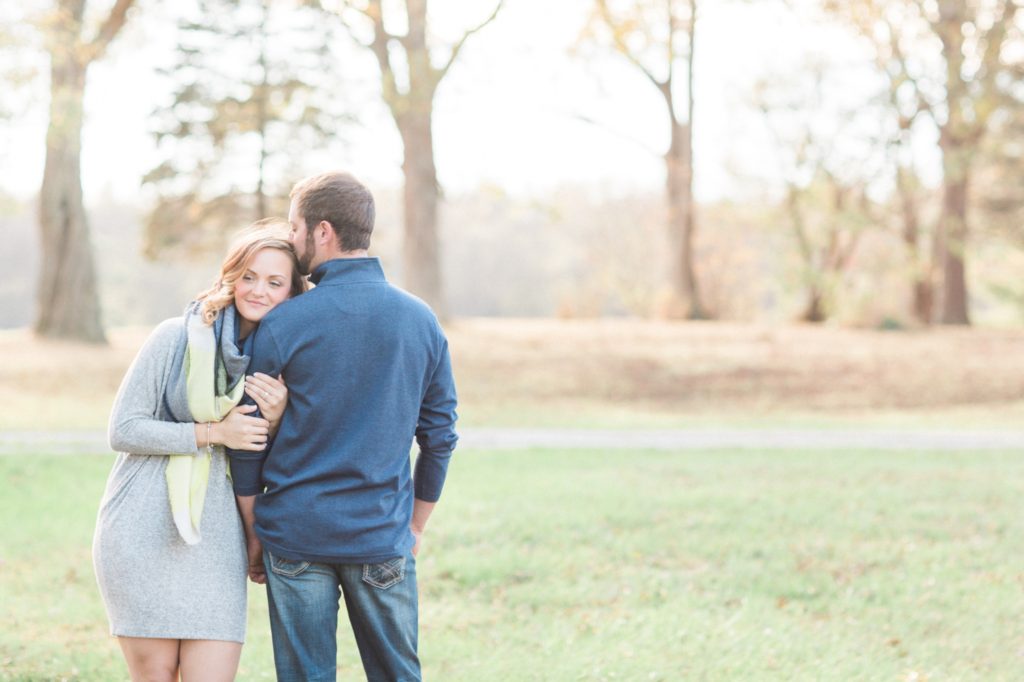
[(549, 565), (624, 565)]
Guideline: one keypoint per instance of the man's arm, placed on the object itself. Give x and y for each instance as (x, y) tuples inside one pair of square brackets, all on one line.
[(420, 514), (254, 548), (435, 434), (247, 466)]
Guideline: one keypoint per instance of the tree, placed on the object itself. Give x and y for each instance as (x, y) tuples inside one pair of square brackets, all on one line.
[(826, 200), (409, 80), (961, 94), (921, 252), (901, 107), (655, 36), (251, 96), (68, 299)]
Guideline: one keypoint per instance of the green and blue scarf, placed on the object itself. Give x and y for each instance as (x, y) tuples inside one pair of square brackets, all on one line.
[(211, 382)]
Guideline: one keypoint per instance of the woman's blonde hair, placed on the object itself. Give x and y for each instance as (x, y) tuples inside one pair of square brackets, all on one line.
[(264, 234)]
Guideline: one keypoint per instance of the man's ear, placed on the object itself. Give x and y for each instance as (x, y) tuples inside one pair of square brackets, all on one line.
[(324, 233)]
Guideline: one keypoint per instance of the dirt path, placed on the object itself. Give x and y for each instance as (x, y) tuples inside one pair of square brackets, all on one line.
[(84, 442)]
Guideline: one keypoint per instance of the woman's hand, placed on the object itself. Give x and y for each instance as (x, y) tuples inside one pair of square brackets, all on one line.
[(269, 393), (239, 431)]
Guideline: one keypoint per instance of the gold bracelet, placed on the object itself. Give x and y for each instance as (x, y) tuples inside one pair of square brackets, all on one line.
[(209, 444)]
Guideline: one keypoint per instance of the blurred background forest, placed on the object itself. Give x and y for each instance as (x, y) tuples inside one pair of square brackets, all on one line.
[(857, 162)]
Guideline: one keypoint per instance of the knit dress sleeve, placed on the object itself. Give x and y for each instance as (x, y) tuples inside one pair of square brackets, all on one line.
[(135, 425)]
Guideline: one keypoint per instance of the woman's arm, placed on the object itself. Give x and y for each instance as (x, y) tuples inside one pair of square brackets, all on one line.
[(134, 426), (239, 430)]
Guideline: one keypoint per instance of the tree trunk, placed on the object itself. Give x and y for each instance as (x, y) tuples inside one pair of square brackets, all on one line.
[(68, 300), (953, 223), (682, 210), (683, 284), (421, 257), (954, 230), (922, 288), (921, 271), (815, 310), (413, 113), (955, 140)]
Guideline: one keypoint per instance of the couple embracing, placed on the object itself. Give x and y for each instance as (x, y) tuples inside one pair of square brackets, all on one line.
[(267, 433)]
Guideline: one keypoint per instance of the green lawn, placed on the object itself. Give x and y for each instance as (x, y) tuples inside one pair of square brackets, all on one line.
[(557, 565)]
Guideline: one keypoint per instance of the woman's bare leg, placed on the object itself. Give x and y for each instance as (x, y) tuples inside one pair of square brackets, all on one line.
[(207, 659), (150, 659)]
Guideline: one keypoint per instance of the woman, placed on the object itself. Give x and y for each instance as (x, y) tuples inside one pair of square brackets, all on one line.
[(169, 549)]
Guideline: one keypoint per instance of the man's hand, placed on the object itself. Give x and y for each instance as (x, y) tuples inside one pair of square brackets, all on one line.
[(257, 571), (418, 535), (420, 513)]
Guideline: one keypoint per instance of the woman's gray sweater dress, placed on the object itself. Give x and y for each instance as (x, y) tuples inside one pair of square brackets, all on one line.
[(152, 582)]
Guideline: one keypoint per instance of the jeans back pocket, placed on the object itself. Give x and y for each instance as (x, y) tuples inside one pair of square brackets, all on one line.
[(289, 568), (384, 574)]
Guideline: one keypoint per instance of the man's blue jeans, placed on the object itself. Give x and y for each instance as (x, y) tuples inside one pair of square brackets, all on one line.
[(381, 600)]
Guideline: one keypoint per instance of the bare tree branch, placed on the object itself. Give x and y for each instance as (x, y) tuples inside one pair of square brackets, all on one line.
[(622, 136), (375, 12), (923, 105), (865, 18), (462, 41), (110, 28), (620, 44), (345, 23)]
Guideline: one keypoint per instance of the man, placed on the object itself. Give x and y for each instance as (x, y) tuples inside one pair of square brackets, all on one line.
[(333, 504)]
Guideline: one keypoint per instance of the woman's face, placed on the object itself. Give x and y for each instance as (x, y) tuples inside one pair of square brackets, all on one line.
[(264, 284)]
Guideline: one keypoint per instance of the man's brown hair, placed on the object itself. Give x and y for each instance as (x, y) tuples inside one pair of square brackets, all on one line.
[(343, 202)]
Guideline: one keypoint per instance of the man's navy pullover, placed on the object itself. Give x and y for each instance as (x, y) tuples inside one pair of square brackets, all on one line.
[(367, 369)]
